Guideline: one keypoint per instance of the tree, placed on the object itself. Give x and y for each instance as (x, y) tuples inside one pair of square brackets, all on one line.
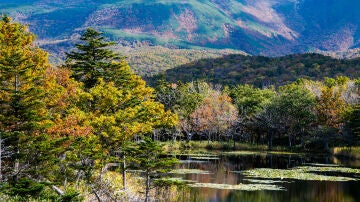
[(117, 103), (353, 121), (117, 114), (291, 111), (148, 156), (92, 60), (250, 100), (22, 75), (330, 108), (297, 105), (188, 97), (215, 115)]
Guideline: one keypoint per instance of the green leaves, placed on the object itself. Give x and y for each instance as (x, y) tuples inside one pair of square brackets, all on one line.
[(250, 100), (149, 156), (92, 60)]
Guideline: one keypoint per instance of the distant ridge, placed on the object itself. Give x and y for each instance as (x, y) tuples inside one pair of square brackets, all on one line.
[(261, 27)]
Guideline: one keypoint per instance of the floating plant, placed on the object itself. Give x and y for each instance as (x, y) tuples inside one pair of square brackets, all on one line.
[(242, 187), (190, 171), (302, 173), (265, 181)]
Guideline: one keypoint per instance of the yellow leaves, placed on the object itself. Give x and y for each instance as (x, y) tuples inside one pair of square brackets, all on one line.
[(330, 107), (14, 35), (106, 96)]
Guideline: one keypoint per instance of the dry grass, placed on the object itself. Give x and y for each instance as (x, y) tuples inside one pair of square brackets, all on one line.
[(348, 152)]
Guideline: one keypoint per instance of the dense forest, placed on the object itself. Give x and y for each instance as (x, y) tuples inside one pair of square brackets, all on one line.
[(264, 71), (71, 132)]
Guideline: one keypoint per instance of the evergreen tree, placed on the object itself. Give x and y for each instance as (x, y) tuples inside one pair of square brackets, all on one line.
[(92, 59), (354, 121), (148, 156), (22, 75)]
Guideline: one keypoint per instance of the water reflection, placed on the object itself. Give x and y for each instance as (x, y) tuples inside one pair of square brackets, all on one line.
[(222, 170)]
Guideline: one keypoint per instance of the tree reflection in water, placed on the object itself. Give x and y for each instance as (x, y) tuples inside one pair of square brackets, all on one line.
[(221, 170)]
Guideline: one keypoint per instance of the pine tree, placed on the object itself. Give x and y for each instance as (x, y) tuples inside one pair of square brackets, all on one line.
[(148, 156), (22, 75), (92, 59)]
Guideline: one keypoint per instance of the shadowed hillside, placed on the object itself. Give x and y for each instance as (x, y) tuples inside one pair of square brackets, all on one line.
[(259, 27), (263, 71)]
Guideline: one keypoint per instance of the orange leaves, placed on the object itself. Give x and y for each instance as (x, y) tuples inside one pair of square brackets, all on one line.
[(69, 126), (215, 115)]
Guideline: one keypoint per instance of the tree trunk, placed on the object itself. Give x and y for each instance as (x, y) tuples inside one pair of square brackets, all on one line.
[(147, 191), (188, 136), (326, 143), (234, 146), (96, 195), (124, 172), (16, 170), (57, 190), (1, 142), (270, 139), (290, 146)]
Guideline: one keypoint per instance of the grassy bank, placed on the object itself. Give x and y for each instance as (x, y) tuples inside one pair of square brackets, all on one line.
[(347, 152), (217, 145)]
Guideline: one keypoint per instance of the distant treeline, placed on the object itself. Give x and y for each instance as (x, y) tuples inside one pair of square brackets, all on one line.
[(304, 114), (263, 71)]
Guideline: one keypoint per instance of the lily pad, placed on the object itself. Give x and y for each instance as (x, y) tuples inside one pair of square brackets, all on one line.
[(192, 161), (242, 187), (322, 165), (298, 173), (243, 153), (194, 154), (190, 171), (284, 153), (337, 169), (205, 157), (263, 181), (177, 179)]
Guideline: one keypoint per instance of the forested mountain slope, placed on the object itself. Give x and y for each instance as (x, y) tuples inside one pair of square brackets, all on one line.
[(263, 71), (266, 27)]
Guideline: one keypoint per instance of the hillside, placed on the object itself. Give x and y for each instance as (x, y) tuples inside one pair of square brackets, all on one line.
[(152, 60), (263, 71), (264, 27)]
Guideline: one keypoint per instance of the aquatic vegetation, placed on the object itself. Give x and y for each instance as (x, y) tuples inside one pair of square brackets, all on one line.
[(284, 153), (336, 169), (243, 153), (242, 187), (303, 173), (173, 181), (262, 181), (194, 153), (192, 161), (240, 153), (190, 171), (205, 157), (321, 164)]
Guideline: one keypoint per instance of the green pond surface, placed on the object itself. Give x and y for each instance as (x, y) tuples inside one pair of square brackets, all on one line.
[(258, 176)]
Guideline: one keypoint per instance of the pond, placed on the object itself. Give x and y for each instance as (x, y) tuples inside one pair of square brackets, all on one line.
[(256, 176)]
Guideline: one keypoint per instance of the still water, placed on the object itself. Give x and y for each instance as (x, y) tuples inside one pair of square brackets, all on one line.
[(228, 169)]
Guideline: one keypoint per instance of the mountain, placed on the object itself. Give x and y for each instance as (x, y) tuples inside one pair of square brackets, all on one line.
[(265, 27), (262, 71)]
